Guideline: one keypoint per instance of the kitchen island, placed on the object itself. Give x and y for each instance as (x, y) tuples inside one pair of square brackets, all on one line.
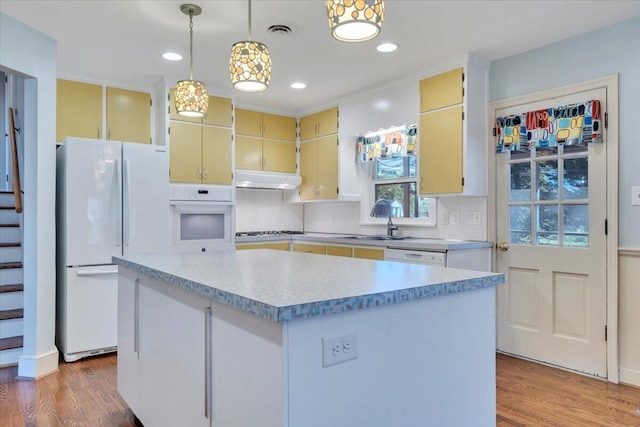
[(273, 338)]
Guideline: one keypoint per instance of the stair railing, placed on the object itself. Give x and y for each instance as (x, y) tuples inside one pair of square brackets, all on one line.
[(17, 192)]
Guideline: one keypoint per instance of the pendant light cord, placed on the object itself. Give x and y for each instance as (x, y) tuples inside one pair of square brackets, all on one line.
[(250, 20), (191, 43)]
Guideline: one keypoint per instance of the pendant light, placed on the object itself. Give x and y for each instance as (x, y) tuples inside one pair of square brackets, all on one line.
[(192, 99), (250, 64), (355, 20)]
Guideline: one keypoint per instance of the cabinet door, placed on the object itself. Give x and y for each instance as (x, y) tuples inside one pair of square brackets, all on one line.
[(441, 152), (278, 156), (441, 90), (368, 253), (308, 170), (328, 167), (248, 152), (185, 153), (327, 122), (280, 246), (344, 251), (173, 114), (216, 155), (219, 112), (278, 127), (188, 373), (308, 127), (248, 122), (310, 249), (79, 110), (154, 346), (127, 374), (128, 116)]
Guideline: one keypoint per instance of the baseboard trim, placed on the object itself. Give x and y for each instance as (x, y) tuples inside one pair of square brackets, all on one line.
[(39, 365), (630, 376)]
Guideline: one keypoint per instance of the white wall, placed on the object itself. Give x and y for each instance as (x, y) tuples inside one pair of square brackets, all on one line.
[(262, 210), (611, 50), (33, 54)]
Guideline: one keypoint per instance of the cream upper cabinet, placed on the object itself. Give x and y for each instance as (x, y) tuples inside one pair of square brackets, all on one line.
[(319, 169), (79, 110), (219, 111), (200, 154), (442, 90), (265, 141), (128, 116), (441, 151), (453, 131), (319, 124)]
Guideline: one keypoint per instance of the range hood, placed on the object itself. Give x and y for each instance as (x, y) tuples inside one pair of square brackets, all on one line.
[(272, 180)]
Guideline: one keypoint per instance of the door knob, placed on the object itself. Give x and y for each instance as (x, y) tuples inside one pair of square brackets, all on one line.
[(503, 246)]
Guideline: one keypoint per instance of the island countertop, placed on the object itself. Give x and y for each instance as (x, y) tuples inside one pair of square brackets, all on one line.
[(283, 286)]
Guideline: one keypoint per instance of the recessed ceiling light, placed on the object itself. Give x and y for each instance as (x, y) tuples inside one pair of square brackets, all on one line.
[(298, 85), (387, 47), (172, 56)]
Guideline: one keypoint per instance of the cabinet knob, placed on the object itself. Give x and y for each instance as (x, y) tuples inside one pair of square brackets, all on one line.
[(503, 246), (205, 175), (199, 173), (421, 182)]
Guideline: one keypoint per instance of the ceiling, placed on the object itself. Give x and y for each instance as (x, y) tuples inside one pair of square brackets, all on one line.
[(120, 43)]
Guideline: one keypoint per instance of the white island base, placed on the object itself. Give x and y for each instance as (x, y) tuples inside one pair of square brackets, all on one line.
[(187, 360)]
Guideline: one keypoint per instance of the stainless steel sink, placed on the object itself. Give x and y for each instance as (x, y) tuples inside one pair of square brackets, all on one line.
[(377, 237)]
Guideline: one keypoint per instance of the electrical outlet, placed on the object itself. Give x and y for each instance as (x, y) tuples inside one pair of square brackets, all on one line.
[(339, 348), (445, 219), (635, 196), (474, 218), (454, 218)]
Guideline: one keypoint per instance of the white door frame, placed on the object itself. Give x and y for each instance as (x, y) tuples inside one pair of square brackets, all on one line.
[(611, 83)]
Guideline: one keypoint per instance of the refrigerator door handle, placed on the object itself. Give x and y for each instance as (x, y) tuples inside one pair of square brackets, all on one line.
[(94, 272), (126, 217), (118, 205)]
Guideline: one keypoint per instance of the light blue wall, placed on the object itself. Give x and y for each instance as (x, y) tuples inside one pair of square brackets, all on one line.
[(611, 50), (32, 55)]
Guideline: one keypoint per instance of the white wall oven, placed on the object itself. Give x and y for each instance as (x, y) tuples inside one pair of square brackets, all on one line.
[(202, 218)]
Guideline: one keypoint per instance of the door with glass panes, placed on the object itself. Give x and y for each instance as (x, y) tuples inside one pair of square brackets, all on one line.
[(551, 212)]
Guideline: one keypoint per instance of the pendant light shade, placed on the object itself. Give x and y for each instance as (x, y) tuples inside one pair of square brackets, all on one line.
[(250, 64), (191, 96), (355, 20)]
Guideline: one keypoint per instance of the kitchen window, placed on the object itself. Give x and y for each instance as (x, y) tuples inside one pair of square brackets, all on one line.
[(395, 180)]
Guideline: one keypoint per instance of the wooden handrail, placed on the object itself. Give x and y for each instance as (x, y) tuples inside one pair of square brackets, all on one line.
[(16, 171)]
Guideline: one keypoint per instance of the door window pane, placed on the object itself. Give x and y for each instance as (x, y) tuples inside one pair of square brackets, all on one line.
[(520, 182), (575, 226), (520, 224), (547, 180), (547, 225), (576, 178)]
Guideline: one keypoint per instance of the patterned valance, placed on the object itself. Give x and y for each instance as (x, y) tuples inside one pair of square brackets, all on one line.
[(386, 143), (573, 124)]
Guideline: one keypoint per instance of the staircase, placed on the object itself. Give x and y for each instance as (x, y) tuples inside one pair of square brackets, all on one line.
[(11, 288)]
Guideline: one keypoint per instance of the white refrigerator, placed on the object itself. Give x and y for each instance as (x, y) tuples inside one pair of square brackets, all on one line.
[(112, 199)]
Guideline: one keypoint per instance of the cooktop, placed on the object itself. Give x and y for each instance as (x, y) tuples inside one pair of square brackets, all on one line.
[(266, 233)]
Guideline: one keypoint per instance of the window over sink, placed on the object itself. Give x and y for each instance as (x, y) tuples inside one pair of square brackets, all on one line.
[(395, 180)]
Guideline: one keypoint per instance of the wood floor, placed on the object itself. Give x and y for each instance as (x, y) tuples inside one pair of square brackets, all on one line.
[(84, 394)]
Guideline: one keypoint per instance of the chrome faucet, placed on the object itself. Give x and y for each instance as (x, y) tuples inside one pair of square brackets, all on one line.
[(390, 227)]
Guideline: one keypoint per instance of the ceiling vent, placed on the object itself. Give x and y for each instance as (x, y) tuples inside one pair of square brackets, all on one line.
[(280, 30)]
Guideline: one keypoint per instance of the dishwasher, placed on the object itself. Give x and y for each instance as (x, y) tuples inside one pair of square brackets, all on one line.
[(416, 257)]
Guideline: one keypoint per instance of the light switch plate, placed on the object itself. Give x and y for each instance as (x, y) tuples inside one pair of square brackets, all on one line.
[(635, 196), (454, 218)]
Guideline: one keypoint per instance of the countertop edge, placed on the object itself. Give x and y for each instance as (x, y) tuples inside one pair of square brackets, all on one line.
[(316, 308)]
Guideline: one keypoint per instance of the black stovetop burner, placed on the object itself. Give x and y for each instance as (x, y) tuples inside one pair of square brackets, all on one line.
[(266, 233)]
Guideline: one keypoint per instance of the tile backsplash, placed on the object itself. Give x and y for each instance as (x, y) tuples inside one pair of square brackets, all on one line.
[(263, 210)]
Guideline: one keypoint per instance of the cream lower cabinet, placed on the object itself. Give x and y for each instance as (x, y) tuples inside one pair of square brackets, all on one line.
[(164, 338), (345, 251), (319, 168), (281, 246), (310, 248), (368, 253), (200, 154)]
